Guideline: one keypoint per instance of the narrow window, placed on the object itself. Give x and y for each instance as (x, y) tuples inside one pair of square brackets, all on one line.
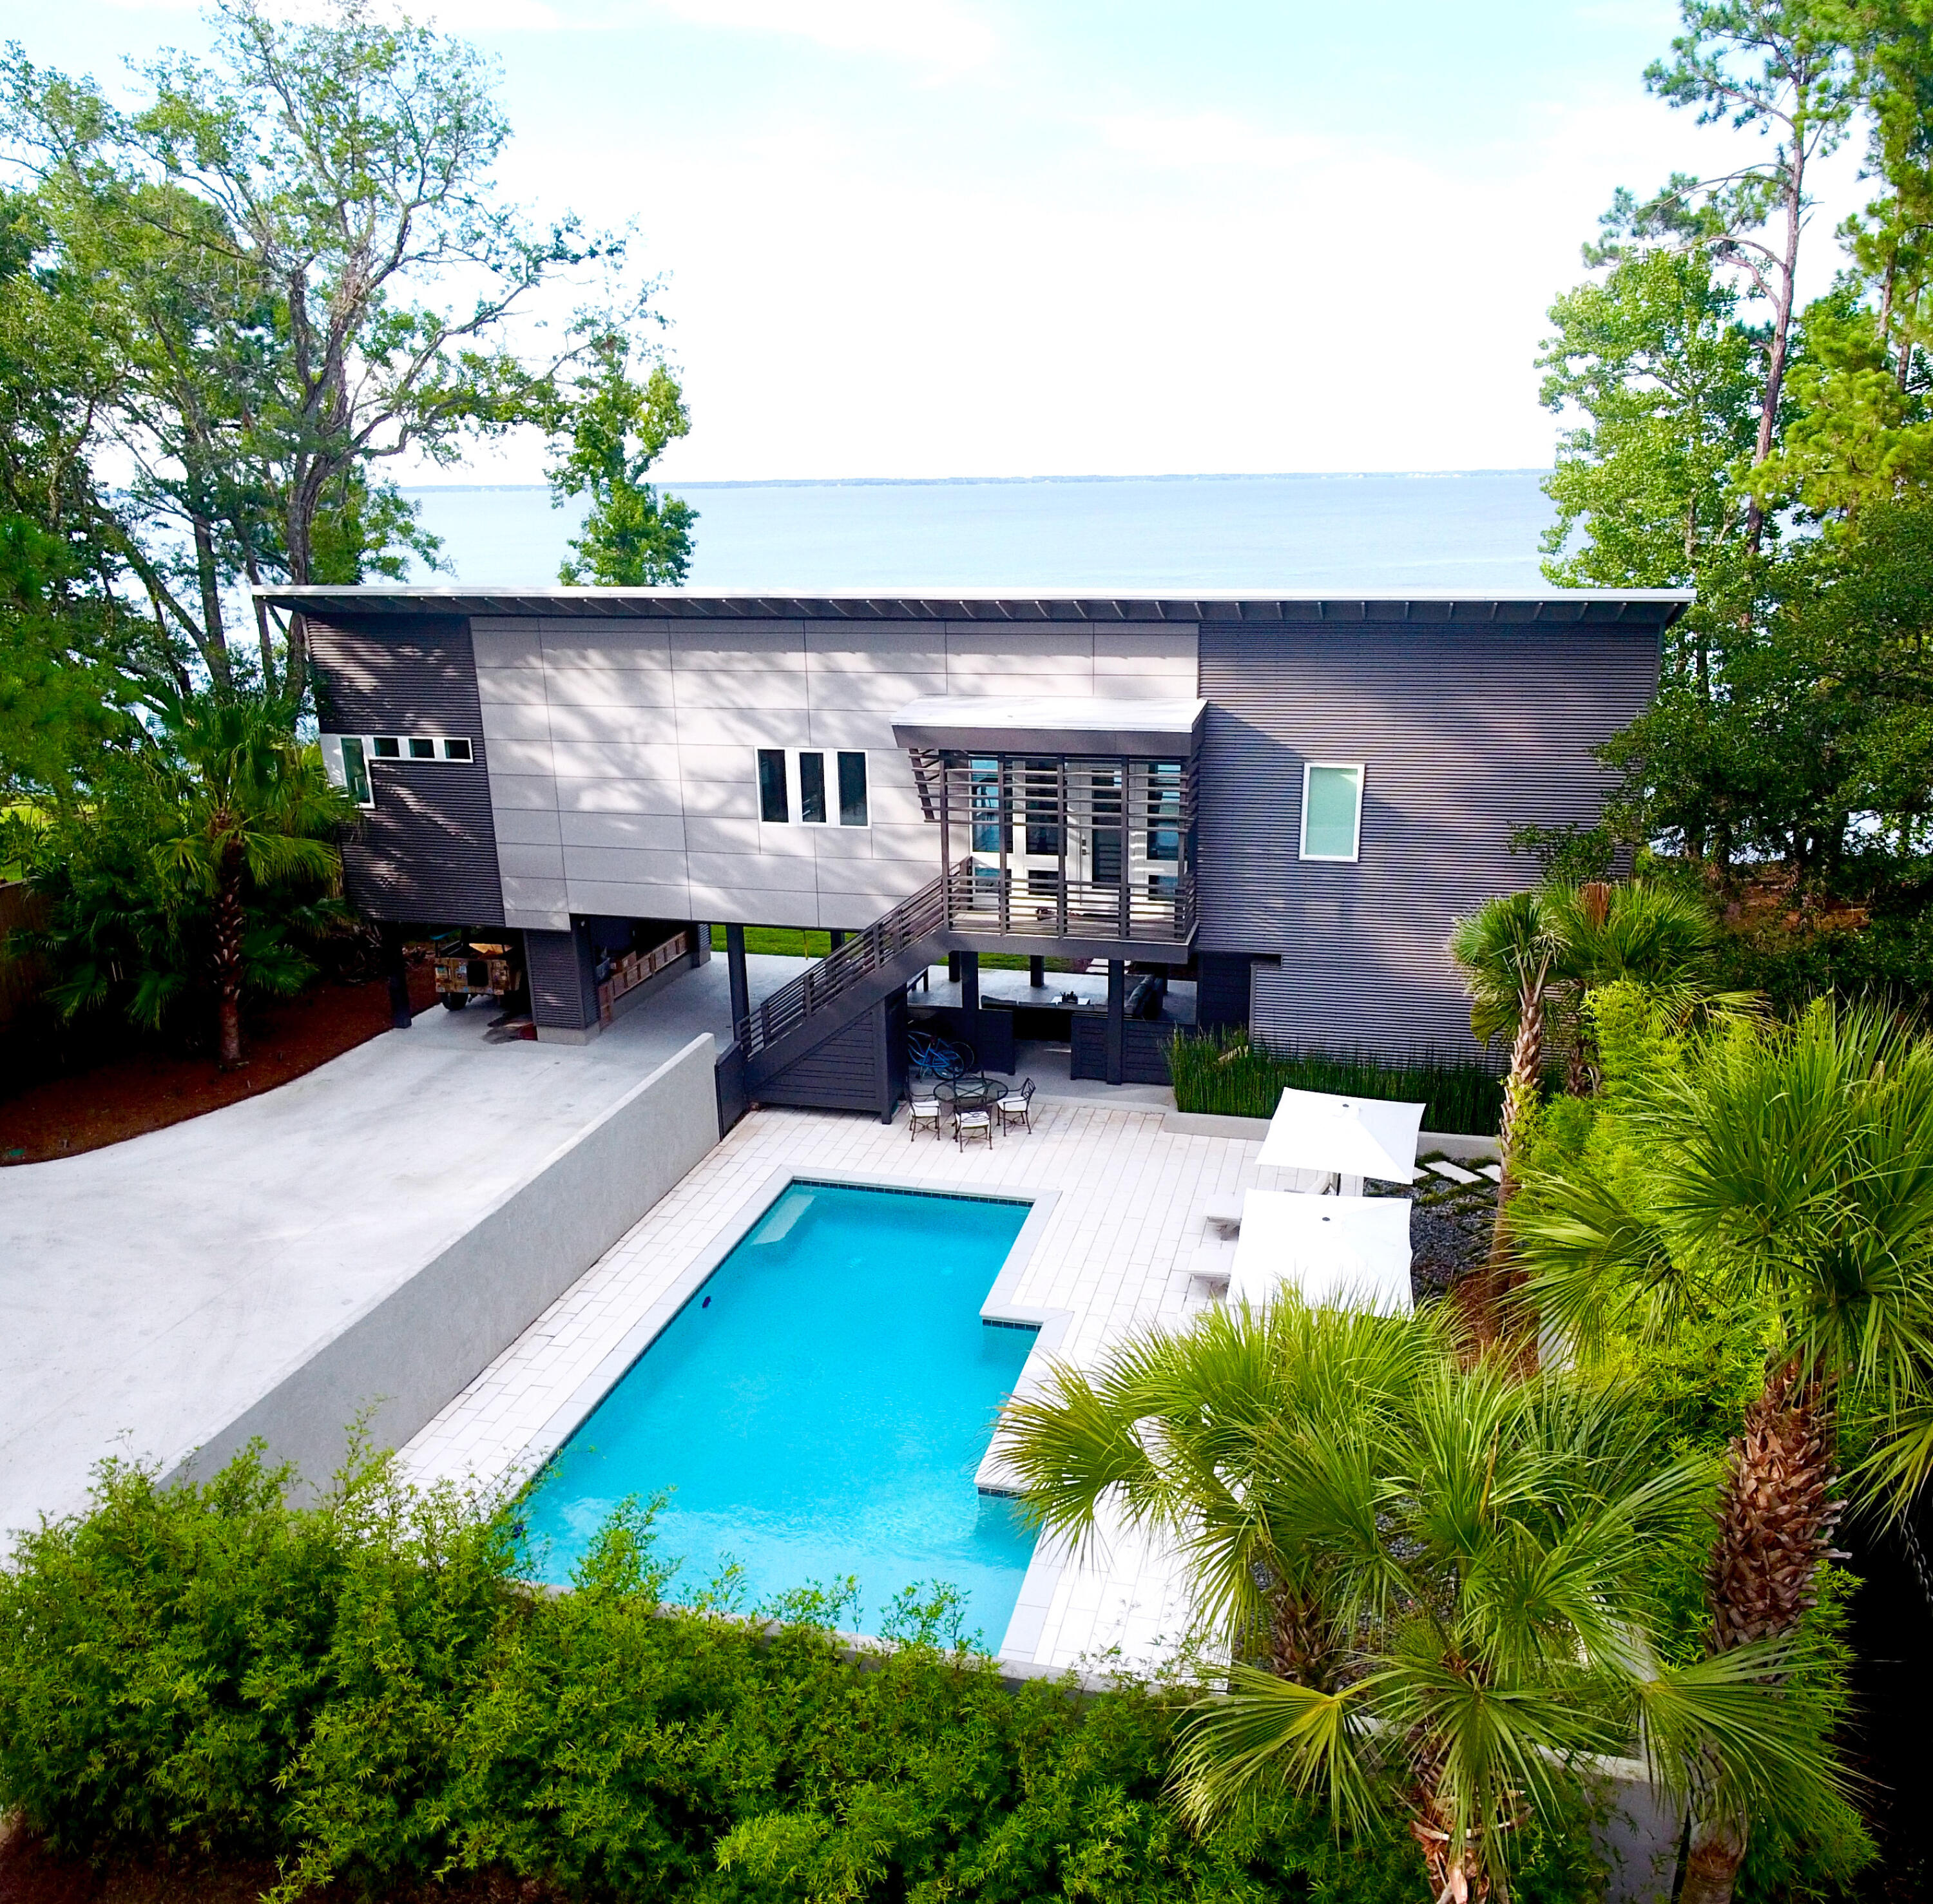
[(1332, 810), (1164, 811), (852, 789), (456, 749), (387, 747), (812, 788), (773, 805), (983, 781), (422, 750), (1105, 847), (355, 781), (1040, 781)]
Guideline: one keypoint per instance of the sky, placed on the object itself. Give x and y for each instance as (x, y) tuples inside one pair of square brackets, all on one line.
[(959, 238)]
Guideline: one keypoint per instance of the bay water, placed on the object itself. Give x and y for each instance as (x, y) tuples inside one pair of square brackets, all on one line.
[(1475, 530)]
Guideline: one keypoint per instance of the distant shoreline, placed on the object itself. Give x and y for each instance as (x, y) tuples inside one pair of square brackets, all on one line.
[(978, 482)]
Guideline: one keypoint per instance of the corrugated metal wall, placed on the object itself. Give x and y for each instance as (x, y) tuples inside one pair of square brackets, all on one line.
[(1466, 733), (428, 853), (564, 980)]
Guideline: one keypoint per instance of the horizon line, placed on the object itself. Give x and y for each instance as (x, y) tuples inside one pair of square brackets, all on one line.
[(943, 482)]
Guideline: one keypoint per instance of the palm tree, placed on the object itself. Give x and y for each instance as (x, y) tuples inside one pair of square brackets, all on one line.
[(1784, 1171), (1435, 1587), (249, 806), (1257, 1417), (1508, 950), (1645, 934), (1530, 960)]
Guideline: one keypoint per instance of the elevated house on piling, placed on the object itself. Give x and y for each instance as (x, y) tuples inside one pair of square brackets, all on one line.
[(1284, 798)]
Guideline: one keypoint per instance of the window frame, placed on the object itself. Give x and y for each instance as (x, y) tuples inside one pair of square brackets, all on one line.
[(1354, 856), (829, 795)]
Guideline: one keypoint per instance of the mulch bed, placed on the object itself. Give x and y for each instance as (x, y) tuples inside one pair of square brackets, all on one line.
[(152, 1088), (31, 1874)]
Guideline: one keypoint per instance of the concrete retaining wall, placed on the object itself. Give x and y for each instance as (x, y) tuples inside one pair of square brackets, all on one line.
[(413, 1350), (1252, 1130)]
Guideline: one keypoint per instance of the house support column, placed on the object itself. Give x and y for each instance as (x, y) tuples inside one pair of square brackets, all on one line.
[(1037, 972), (741, 984), (1118, 1020), (395, 969), (969, 997), (563, 969)]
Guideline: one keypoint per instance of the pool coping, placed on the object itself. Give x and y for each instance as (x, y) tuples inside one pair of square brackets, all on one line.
[(998, 1310)]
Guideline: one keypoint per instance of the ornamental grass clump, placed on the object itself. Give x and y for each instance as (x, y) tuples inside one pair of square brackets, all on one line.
[(1222, 1074)]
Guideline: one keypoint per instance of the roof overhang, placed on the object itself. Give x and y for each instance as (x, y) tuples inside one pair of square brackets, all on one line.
[(1638, 608), (1045, 723)]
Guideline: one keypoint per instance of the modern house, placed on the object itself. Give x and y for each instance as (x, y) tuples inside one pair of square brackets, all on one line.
[(1287, 799)]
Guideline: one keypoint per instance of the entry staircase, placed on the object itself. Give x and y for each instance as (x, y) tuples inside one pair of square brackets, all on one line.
[(836, 993)]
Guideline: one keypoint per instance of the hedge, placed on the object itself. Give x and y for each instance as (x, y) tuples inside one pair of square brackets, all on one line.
[(363, 1690)]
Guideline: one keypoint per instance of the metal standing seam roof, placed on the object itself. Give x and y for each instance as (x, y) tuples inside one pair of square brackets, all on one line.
[(1646, 608)]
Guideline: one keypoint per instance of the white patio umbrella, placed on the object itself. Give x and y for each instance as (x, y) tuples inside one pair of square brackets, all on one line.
[(1351, 1252), (1350, 1136)]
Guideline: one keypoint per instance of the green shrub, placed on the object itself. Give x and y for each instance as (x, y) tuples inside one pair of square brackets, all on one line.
[(363, 1690), (1223, 1075)]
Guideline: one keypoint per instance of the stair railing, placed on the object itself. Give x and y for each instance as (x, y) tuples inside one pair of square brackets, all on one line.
[(877, 944)]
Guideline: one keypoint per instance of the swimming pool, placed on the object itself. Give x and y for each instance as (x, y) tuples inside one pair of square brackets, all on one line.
[(819, 1406)]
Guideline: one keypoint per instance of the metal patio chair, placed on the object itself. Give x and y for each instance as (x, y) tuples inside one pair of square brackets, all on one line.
[(968, 1125), (924, 1114), (1016, 1107)]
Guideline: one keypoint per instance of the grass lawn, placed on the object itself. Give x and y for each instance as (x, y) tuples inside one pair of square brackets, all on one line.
[(779, 941), (805, 942)]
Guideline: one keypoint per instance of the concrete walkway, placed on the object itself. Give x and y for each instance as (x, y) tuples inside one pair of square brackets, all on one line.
[(151, 1291)]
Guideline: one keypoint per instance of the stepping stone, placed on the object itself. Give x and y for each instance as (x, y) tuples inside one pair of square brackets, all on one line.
[(1494, 1171), (1455, 1172)]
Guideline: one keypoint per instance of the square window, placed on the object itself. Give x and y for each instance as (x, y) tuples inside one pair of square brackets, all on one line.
[(456, 749), (386, 747), (422, 750), (1332, 810), (773, 803), (812, 788), (852, 789)]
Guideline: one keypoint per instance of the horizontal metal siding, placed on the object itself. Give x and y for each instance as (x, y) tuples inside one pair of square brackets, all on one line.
[(842, 1074), (1143, 1050), (1466, 733), (563, 979), (428, 851)]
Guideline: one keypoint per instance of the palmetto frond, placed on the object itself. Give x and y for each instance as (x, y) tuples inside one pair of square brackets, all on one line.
[(1505, 950)]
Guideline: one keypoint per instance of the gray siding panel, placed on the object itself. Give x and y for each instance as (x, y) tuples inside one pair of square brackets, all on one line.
[(1466, 734), (428, 853)]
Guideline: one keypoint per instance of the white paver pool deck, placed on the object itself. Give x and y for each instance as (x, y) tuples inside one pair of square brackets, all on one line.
[(1130, 1208), (151, 1291)]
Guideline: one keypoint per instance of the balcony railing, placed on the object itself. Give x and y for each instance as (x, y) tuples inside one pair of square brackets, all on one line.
[(983, 899)]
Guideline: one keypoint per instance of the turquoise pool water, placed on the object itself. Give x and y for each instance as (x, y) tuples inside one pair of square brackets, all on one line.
[(818, 1407)]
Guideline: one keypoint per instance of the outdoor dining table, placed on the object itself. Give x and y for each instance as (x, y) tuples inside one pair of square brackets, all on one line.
[(974, 1092)]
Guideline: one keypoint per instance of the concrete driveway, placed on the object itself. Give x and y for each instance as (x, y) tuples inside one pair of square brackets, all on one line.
[(151, 1292)]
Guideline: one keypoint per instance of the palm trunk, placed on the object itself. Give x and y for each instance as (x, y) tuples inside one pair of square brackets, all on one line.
[(1775, 1523), (1300, 1642), (1491, 1320), (1458, 1880), (228, 957), (1711, 1865)]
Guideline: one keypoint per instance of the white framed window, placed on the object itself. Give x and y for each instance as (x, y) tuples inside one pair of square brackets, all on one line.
[(812, 787), (346, 757), (1332, 809)]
